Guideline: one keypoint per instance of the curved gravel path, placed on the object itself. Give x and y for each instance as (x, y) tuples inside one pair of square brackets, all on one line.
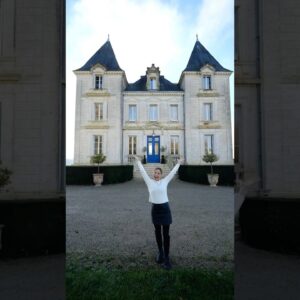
[(114, 221)]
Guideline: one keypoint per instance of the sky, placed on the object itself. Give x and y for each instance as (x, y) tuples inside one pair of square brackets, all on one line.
[(143, 32)]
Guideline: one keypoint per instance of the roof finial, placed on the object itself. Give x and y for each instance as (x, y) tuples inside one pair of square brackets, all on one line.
[(108, 37), (197, 37)]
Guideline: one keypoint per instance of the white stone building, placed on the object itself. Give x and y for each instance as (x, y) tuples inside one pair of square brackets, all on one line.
[(121, 119)]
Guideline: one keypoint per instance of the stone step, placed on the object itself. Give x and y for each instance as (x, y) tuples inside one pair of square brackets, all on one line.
[(149, 168)]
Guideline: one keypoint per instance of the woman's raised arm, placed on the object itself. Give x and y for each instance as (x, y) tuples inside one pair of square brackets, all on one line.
[(170, 176), (145, 176)]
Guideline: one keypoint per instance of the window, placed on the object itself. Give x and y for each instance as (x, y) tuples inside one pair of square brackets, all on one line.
[(132, 145), (174, 112), (207, 82), (152, 84), (208, 112), (132, 113), (174, 145), (98, 82), (98, 144), (153, 112), (98, 111), (209, 143)]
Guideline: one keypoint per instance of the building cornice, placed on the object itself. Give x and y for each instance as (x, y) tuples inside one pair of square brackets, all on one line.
[(152, 126), (153, 93), (209, 125), (10, 77), (95, 125), (97, 93), (208, 93), (106, 72)]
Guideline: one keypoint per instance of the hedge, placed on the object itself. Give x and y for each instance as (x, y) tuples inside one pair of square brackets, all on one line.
[(198, 174), (83, 175), (33, 227), (271, 224)]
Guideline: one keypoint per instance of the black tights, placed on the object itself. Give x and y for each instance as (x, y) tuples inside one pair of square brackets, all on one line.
[(166, 237)]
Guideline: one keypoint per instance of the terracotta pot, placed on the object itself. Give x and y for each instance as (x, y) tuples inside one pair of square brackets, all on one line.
[(98, 179), (213, 179)]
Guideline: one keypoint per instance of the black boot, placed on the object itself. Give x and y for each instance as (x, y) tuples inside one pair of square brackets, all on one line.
[(167, 265), (160, 257)]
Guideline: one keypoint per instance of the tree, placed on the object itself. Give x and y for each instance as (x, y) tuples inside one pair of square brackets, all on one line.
[(98, 159), (210, 158), (4, 176)]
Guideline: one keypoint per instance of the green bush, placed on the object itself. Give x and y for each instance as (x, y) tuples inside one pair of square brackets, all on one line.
[(83, 175), (198, 174), (4, 176)]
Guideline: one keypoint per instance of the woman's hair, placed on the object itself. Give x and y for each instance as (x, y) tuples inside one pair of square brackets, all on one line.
[(159, 170)]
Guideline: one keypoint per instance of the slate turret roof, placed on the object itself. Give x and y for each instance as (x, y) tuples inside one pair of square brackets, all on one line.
[(104, 56), (164, 85), (200, 57)]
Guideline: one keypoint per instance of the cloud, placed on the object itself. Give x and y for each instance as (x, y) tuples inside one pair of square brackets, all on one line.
[(215, 24), (142, 32)]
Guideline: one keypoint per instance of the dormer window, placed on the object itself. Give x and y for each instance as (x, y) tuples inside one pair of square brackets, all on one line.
[(207, 82), (152, 83), (153, 75), (98, 82)]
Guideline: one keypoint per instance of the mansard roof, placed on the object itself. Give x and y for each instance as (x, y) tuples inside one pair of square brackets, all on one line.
[(201, 57), (104, 56), (164, 85)]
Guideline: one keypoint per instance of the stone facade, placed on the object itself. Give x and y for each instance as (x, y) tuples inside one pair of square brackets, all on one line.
[(267, 100), (32, 99), (131, 113)]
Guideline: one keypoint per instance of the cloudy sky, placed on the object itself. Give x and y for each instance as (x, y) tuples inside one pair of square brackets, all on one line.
[(143, 32)]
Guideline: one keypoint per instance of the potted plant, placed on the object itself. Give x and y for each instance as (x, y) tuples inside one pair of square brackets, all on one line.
[(4, 176), (144, 161), (163, 159), (211, 158), (98, 159)]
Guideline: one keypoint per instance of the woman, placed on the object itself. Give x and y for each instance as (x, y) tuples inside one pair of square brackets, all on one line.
[(161, 214)]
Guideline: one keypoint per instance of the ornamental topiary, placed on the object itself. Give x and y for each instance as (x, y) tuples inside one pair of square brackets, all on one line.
[(98, 159), (210, 158)]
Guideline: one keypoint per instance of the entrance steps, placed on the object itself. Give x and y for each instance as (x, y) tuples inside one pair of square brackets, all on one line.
[(149, 168)]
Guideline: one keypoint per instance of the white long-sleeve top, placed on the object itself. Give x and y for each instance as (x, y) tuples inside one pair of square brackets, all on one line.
[(157, 188)]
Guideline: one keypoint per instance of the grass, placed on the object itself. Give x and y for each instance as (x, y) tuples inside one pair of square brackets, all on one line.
[(91, 283)]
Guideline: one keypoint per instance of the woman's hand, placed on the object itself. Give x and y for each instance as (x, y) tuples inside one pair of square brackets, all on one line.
[(180, 161), (136, 158)]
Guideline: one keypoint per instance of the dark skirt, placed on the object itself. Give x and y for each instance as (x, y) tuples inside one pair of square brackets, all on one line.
[(161, 214)]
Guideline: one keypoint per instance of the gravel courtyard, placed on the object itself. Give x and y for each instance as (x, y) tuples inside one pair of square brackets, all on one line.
[(114, 221)]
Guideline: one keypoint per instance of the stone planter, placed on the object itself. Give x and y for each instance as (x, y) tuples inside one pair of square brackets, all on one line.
[(213, 179), (98, 179)]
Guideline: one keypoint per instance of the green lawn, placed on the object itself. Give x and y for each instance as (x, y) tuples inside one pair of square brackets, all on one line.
[(86, 283)]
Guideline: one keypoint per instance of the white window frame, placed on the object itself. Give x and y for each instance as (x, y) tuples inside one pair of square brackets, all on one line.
[(153, 83), (150, 113), (98, 86), (177, 111), (173, 140), (210, 149), (129, 115), (132, 144), (98, 144), (101, 110), (210, 105), (207, 84)]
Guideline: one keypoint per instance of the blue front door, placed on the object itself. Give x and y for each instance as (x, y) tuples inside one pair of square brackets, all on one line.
[(153, 148)]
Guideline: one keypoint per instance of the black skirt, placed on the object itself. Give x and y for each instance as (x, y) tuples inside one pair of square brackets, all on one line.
[(161, 214)]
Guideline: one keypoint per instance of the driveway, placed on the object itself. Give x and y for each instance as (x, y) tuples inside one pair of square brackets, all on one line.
[(114, 221)]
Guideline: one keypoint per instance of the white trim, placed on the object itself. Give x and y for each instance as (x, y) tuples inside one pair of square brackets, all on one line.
[(148, 112)]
